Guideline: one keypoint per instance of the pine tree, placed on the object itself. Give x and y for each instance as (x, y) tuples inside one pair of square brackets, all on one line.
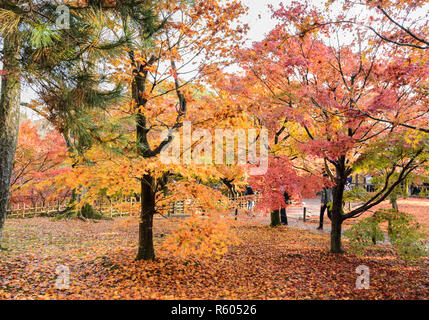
[(59, 64)]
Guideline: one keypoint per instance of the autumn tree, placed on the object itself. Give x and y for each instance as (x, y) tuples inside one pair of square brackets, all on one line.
[(400, 23), (401, 26), (327, 91), (113, 169), (289, 169), (39, 158), (189, 36)]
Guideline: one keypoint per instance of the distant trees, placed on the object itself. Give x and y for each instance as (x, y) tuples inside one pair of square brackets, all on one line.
[(39, 159)]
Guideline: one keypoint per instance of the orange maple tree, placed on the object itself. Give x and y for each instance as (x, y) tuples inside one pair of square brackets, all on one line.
[(40, 158)]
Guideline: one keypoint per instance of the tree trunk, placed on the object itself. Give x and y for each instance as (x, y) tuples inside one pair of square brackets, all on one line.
[(394, 202), (336, 236), (9, 119), (146, 250), (233, 191), (336, 214), (275, 218), (283, 216)]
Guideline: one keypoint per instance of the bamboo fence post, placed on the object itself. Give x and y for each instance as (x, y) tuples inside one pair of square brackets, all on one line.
[(111, 208), (131, 207)]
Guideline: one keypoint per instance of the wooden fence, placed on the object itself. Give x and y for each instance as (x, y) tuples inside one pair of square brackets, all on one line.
[(127, 205), (117, 207), (240, 201), (25, 211)]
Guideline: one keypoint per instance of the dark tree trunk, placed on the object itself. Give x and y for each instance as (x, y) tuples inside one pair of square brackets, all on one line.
[(233, 192), (9, 119), (146, 250), (283, 216), (336, 214), (149, 183), (336, 236), (275, 218)]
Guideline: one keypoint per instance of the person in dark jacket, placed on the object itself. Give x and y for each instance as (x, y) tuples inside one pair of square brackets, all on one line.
[(325, 199), (249, 192)]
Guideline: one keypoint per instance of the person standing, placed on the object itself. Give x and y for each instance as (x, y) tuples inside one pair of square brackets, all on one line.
[(249, 192), (325, 199)]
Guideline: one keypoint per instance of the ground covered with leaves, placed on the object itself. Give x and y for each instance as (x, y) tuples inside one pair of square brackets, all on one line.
[(418, 208), (268, 263)]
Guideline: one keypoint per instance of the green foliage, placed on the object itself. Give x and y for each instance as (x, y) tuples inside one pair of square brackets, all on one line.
[(86, 212), (410, 245), (405, 234), (4, 240), (330, 206), (364, 234), (43, 36), (89, 212), (62, 66), (355, 194)]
